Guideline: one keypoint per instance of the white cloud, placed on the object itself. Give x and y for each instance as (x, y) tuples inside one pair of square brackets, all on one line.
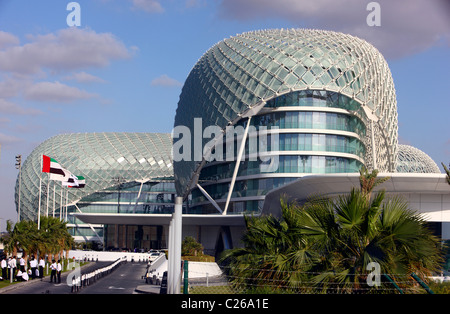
[(55, 92), (7, 39), (407, 26), (150, 6), (8, 107), (165, 80), (83, 77), (4, 121), (9, 139), (195, 3), (11, 87), (67, 49)]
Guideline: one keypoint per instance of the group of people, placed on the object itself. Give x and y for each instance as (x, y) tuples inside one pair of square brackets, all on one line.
[(24, 273)]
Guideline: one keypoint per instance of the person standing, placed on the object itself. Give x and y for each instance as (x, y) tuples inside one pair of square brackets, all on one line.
[(22, 264), (12, 267), (41, 267), (8, 263), (4, 268), (33, 266), (53, 271), (58, 271)]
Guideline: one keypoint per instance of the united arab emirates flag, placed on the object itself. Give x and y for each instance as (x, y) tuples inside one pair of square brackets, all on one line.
[(55, 170), (81, 182), (52, 166), (75, 182)]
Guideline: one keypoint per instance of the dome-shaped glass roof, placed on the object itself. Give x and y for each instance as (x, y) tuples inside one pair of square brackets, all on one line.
[(238, 75), (103, 159), (413, 160)]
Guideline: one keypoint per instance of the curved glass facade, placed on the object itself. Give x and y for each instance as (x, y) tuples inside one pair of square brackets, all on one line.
[(307, 142), (255, 71), (300, 164), (154, 198), (243, 193), (124, 173), (315, 98), (311, 120), (413, 160)]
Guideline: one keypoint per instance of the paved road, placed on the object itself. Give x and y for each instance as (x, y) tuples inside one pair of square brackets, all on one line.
[(122, 280)]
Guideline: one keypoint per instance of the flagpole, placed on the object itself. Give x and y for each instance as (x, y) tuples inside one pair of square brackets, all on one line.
[(65, 211), (48, 192), (39, 206), (61, 202), (54, 196)]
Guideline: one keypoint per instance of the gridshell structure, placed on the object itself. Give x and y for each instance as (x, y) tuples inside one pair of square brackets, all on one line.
[(238, 76), (103, 159), (413, 160)]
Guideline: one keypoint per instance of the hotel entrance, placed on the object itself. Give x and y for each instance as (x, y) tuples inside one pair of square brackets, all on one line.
[(134, 238)]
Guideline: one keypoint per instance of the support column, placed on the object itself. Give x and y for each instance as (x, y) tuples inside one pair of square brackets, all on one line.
[(236, 167), (374, 153), (177, 243), (210, 199), (171, 258), (138, 196), (175, 239)]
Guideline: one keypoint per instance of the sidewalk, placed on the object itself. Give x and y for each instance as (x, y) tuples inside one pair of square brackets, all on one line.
[(27, 285), (19, 285)]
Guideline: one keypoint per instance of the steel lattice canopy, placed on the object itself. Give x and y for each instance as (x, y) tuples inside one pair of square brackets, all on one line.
[(413, 160), (238, 75), (103, 159)]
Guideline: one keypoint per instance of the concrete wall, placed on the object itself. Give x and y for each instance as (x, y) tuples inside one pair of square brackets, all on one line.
[(208, 236), (435, 207)]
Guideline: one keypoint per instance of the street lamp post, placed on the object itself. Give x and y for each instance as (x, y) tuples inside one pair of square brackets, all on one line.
[(19, 166)]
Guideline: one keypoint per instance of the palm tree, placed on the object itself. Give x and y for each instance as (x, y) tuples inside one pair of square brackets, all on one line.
[(275, 255), (10, 239), (27, 236), (326, 244), (55, 236), (353, 231), (368, 181), (51, 239)]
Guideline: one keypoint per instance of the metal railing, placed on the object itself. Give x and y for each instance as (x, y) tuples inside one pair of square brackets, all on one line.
[(80, 280)]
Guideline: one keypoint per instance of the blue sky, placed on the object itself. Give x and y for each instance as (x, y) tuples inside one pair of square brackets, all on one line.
[(123, 68)]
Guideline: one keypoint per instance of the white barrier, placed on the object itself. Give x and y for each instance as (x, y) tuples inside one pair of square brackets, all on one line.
[(85, 279), (104, 256), (156, 268)]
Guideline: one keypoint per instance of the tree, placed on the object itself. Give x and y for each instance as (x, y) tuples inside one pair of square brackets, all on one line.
[(52, 237), (368, 181), (326, 244), (10, 239), (55, 236), (22, 235), (275, 255), (354, 231), (190, 247)]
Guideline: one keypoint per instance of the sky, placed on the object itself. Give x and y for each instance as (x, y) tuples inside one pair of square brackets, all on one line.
[(122, 69)]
